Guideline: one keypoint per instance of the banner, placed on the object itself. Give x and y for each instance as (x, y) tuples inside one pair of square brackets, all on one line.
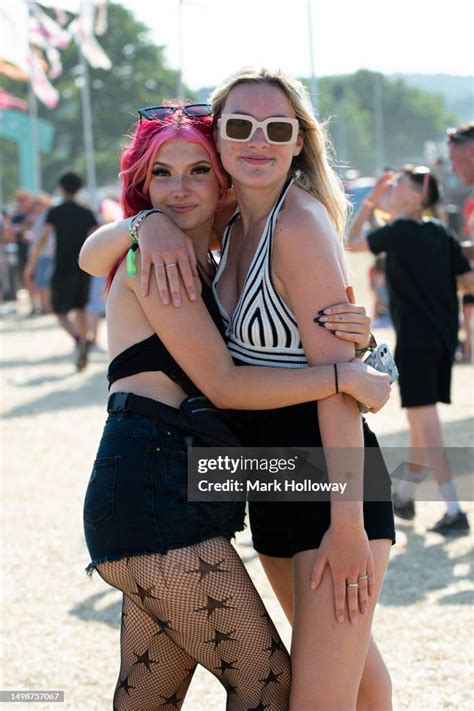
[(8, 101), (83, 29)]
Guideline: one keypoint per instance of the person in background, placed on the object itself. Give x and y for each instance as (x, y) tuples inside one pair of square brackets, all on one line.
[(110, 210), (424, 267), (461, 154), (378, 285), (19, 220), (8, 272), (39, 286), (72, 223)]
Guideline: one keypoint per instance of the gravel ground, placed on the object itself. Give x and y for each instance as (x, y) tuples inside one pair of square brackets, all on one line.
[(61, 630)]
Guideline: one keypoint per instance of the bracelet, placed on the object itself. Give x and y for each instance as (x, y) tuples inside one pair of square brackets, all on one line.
[(336, 379), (133, 224), (136, 220), (371, 346), (368, 203)]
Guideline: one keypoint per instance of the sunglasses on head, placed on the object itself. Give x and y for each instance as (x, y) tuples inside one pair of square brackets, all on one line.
[(240, 127), (157, 113)]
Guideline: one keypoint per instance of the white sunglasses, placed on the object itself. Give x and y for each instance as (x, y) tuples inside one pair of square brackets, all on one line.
[(277, 129)]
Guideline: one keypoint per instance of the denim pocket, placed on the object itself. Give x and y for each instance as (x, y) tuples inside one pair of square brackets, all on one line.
[(99, 504)]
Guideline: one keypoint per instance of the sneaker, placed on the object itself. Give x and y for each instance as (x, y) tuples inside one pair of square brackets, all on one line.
[(457, 524), (82, 353), (403, 509)]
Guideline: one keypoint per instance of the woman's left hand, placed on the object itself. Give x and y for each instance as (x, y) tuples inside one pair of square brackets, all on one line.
[(347, 552), (348, 321)]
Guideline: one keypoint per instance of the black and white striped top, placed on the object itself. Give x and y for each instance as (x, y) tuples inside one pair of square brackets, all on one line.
[(263, 329)]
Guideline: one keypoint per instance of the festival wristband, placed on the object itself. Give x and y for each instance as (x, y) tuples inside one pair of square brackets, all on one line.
[(133, 225)]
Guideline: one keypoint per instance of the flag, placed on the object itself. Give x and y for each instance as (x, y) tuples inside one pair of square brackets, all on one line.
[(101, 18), (83, 28), (8, 101), (72, 6), (45, 92), (44, 31), (13, 72), (14, 33), (50, 37)]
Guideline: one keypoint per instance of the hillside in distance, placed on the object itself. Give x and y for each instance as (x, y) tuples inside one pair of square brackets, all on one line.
[(457, 91)]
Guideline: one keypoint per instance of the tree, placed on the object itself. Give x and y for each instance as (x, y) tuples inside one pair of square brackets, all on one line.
[(410, 117), (139, 77)]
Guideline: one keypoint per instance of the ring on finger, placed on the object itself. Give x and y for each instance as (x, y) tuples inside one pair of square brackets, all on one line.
[(158, 264), (172, 264), (363, 577), (352, 585)]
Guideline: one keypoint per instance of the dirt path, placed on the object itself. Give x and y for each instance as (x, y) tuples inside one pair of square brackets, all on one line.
[(60, 629)]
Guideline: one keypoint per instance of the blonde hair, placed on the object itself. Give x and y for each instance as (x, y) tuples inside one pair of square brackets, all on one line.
[(311, 168)]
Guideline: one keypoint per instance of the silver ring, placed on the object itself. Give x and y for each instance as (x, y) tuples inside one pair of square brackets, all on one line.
[(158, 264), (363, 577), (352, 585), (173, 264)]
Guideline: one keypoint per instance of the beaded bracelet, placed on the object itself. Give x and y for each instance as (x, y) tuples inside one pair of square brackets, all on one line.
[(133, 224)]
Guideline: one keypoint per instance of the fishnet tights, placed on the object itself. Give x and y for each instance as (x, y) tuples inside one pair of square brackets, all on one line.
[(195, 605)]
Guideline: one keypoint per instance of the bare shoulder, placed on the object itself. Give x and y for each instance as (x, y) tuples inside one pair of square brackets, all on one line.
[(304, 226)]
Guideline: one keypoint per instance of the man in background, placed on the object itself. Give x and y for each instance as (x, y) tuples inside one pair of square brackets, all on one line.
[(71, 223), (461, 154)]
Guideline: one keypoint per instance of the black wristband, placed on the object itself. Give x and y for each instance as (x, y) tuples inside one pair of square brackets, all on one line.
[(335, 378)]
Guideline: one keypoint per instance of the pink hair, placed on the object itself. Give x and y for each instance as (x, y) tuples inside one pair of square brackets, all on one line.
[(146, 141), (138, 157)]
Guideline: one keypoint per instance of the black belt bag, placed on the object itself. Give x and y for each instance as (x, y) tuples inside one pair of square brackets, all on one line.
[(196, 416)]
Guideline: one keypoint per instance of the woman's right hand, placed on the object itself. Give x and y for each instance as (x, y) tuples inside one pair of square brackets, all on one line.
[(364, 384), (380, 188), (166, 250)]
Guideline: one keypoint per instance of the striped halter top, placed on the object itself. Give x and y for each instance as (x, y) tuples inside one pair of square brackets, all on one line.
[(263, 329)]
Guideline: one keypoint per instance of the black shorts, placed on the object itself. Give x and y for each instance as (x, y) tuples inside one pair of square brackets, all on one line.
[(69, 291), (282, 529), (468, 299), (425, 375)]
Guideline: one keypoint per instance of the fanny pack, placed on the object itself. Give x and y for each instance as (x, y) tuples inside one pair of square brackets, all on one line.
[(196, 416)]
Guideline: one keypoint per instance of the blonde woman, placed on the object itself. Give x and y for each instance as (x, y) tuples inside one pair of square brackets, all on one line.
[(282, 262)]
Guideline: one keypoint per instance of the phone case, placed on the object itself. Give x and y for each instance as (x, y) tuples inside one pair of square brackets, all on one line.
[(382, 360)]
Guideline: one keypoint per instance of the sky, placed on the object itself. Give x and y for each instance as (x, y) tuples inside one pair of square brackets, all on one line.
[(402, 36)]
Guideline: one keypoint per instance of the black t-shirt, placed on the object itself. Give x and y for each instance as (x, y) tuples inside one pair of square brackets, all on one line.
[(72, 223), (423, 259)]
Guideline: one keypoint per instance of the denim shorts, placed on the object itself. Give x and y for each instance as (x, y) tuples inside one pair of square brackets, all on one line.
[(44, 272), (136, 500)]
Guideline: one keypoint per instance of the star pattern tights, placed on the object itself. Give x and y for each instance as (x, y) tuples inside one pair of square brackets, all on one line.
[(195, 605)]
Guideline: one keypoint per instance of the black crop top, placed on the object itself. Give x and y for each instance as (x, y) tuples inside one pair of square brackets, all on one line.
[(151, 355)]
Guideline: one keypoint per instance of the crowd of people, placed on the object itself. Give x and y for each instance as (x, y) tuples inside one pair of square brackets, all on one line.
[(40, 244), (262, 348)]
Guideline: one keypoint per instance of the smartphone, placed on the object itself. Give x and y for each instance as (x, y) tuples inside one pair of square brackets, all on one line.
[(382, 360)]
